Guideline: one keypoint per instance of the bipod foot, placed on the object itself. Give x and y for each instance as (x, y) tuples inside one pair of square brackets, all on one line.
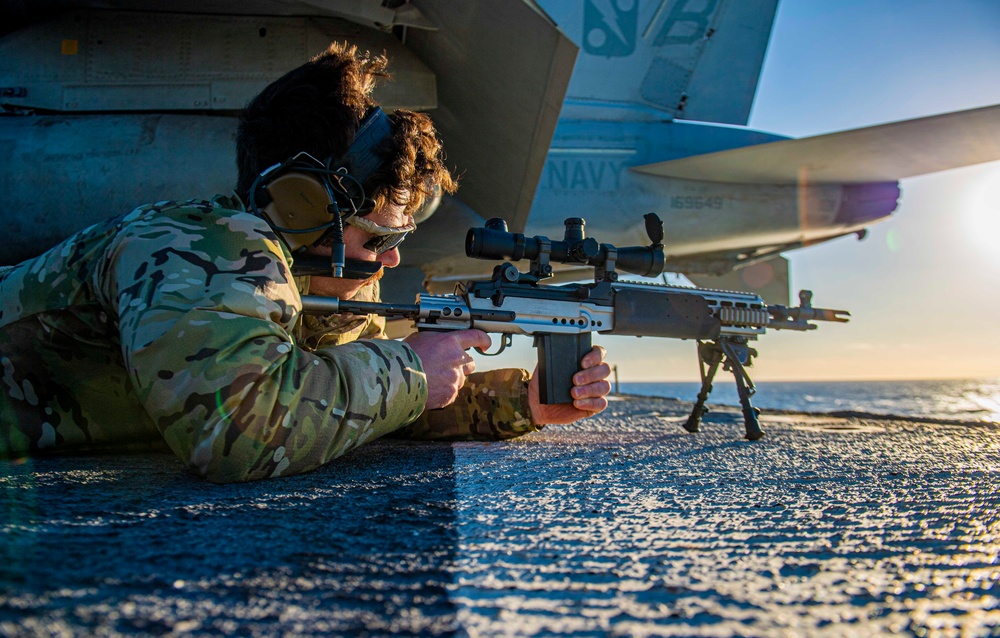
[(694, 421), (710, 355), (739, 355), (752, 424)]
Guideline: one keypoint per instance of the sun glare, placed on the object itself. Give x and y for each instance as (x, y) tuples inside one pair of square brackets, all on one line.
[(983, 214)]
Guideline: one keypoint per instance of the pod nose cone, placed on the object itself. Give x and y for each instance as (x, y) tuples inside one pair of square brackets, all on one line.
[(862, 204)]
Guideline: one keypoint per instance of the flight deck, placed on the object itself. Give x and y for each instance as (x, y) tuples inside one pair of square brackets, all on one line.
[(624, 524)]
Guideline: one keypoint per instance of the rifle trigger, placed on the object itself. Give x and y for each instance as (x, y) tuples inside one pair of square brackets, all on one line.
[(506, 339)]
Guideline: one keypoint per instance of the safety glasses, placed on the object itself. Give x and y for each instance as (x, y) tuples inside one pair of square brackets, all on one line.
[(384, 238)]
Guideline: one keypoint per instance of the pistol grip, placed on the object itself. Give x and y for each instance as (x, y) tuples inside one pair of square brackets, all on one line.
[(559, 358)]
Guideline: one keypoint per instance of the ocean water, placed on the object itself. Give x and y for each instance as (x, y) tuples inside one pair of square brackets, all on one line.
[(975, 400)]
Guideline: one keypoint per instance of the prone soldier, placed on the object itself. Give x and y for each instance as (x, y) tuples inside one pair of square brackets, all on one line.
[(181, 322)]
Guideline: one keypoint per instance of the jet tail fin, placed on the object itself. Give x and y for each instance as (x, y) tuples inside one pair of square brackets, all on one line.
[(689, 59), (883, 153)]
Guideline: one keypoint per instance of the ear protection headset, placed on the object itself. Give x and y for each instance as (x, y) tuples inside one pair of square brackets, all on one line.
[(306, 201)]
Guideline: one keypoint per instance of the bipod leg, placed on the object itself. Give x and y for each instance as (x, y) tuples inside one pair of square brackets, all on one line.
[(710, 354), (744, 387)]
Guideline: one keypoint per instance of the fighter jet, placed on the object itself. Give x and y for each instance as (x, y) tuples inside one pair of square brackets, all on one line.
[(596, 109)]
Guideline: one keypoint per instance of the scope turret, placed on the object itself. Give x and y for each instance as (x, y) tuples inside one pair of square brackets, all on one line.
[(493, 241)]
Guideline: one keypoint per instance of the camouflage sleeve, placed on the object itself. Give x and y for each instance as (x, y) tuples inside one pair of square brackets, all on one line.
[(490, 406), (205, 303)]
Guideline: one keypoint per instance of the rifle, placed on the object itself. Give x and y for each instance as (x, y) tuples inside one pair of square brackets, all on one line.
[(562, 318)]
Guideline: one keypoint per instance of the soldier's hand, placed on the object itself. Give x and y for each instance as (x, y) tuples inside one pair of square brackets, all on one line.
[(590, 387), (446, 362)]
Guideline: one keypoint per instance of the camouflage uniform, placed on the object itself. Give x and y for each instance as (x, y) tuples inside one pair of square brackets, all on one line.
[(181, 323)]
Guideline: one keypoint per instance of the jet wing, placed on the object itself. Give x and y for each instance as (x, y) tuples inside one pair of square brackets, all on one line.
[(883, 153)]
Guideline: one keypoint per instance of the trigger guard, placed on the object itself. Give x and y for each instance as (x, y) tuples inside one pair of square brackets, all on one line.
[(505, 340)]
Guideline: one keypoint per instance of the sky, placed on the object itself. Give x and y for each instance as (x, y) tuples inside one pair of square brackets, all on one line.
[(922, 287)]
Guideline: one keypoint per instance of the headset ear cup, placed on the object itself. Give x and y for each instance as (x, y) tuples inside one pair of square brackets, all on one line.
[(298, 202)]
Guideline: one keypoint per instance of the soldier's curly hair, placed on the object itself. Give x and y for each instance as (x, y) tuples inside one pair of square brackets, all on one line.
[(318, 107)]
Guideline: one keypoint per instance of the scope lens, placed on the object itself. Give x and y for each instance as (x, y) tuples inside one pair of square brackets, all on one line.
[(472, 243)]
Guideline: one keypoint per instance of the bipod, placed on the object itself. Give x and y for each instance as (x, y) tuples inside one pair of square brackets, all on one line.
[(711, 355), (734, 354)]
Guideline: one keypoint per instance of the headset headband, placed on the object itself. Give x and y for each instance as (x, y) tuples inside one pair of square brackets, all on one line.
[(363, 157)]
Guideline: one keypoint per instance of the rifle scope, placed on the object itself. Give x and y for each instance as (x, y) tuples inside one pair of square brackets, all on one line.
[(494, 242)]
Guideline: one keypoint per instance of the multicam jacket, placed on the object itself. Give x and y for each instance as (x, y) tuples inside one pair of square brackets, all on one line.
[(181, 323)]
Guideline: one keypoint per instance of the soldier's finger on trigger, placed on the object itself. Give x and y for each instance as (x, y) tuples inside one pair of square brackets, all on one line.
[(473, 338)]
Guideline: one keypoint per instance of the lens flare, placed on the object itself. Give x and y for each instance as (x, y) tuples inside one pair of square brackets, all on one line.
[(892, 240), (220, 406)]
